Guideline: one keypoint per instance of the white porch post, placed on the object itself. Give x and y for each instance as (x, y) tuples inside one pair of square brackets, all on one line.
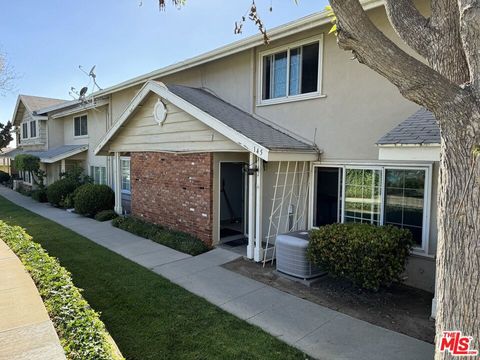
[(258, 254), (62, 166), (251, 209), (117, 184)]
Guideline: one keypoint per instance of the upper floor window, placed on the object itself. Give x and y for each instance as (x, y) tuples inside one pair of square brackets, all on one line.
[(291, 72), (80, 125), (33, 129), (25, 130)]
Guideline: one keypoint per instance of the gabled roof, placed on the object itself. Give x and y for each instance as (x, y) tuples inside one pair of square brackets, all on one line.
[(32, 104), (51, 155), (419, 129), (235, 124), (239, 120)]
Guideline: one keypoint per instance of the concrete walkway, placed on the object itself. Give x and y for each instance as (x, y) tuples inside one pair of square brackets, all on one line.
[(318, 331), (26, 331)]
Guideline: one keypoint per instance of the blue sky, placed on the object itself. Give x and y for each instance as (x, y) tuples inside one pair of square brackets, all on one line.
[(46, 40)]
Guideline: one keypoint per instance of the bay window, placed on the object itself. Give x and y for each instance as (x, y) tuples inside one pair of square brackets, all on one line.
[(378, 195), (25, 130), (291, 71)]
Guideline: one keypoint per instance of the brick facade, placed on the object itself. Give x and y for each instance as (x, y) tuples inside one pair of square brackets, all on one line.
[(174, 190)]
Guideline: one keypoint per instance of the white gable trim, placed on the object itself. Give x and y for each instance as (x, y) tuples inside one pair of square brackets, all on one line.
[(161, 90)]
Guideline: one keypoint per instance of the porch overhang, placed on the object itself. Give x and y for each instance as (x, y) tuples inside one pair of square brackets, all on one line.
[(231, 122), (52, 155)]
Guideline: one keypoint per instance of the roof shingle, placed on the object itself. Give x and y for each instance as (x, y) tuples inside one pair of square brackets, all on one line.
[(239, 120), (419, 129)]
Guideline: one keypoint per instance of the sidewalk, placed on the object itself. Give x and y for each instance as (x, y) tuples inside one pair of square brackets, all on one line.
[(318, 331), (26, 331)]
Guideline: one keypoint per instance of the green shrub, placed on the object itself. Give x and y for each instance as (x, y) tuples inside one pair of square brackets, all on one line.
[(59, 190), (81, 332), (369, 256), (106, 215), (174, 239), (90, 199), (24, 190), (4, 177), (40, 195)]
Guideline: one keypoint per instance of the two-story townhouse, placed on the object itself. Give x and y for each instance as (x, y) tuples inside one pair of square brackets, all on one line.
[(62, 134), (251, 140)]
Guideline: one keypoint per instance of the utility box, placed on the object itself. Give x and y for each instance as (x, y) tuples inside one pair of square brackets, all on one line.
[(291, 256)]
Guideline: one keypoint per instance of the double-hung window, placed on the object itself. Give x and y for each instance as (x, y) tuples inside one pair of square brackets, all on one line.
[(25, 130), (98, 174), (125, 174), (378, 195), (33, 129), (291, 72), (80, 127)]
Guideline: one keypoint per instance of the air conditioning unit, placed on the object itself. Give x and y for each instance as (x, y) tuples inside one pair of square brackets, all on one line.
[(291, 256)]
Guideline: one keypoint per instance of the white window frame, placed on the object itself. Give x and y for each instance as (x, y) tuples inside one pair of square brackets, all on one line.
[(30, 129), (427, 201), (92, 174), (80, 116), (125, 158), (25, 133), (290, 98)]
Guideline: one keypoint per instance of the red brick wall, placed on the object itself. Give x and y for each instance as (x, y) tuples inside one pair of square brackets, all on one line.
[(174, 190)]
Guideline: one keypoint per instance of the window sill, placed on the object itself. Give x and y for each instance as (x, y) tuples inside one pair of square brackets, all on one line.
[(291, 99), (126, 192), (421, 254), (80, 136)]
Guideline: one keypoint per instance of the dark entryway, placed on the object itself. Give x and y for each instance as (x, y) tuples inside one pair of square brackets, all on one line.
[(232, 203)]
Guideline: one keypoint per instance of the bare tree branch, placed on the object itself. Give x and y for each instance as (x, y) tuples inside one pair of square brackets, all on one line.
[(410, 25), (415, 80), (7, 75), (470, 35)]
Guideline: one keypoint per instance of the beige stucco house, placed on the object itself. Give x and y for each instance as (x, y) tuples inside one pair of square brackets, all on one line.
[(251, 140)]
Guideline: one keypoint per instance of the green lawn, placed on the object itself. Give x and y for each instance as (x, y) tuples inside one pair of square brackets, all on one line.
[(148, 316)]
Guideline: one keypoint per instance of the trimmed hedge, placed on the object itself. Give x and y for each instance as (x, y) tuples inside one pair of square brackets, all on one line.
[(370, 256), (174, 239), (106, 215), (81, 332), (90, 199), (59, 190)]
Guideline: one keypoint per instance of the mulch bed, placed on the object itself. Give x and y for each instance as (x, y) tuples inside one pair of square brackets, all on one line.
[(399, 308)]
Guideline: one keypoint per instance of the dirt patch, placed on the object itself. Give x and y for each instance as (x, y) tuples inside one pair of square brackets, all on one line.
[(399, 308)]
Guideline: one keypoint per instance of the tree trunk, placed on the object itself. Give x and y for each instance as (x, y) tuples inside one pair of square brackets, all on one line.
[(458, 253)]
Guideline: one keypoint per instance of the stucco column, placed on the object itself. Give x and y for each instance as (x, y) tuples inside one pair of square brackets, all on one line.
[(258, 253), (434, 301), (251, 209), (62, 166), (117, 180)]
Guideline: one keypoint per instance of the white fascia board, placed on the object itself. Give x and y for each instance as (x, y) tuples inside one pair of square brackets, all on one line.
[(162, 91), (17, 105), (409, 153), (65, 155)]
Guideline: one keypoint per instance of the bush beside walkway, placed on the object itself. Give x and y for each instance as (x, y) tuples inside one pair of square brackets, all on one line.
[(81, 333)]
